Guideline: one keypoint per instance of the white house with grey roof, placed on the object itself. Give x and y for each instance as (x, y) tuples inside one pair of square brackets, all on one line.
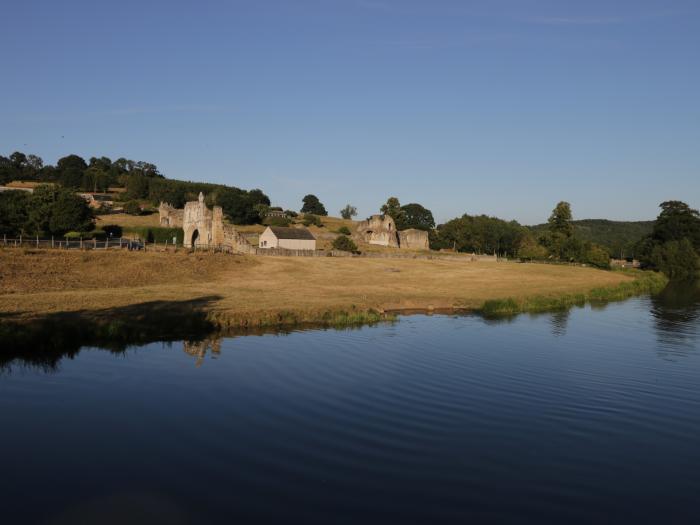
[(287, 238)]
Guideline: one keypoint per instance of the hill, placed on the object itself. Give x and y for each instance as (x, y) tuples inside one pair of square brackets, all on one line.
[(618, 237)]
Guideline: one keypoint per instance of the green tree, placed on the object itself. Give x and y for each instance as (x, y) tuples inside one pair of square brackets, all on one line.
[(70, 171), (13, 212), (55, 211), (240, 206), (137, 187), (597, 256), (344, 243), (348, 212), (677, 259), (560, 220), (392, 208), (530, 249), (311, 204), (415, 216), (677, 221)]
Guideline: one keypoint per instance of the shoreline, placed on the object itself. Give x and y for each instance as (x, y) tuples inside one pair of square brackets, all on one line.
[(117, 328)]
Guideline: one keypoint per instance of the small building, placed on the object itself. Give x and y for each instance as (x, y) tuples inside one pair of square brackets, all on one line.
[(287, 238)]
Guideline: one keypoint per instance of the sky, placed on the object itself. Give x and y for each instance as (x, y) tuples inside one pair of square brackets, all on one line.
[(503, 107)]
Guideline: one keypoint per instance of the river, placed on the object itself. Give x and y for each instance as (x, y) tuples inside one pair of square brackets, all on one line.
[(585, 416)]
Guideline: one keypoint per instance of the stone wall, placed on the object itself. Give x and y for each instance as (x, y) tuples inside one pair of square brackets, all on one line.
[(170, 217), (204, 227), (381, 230)]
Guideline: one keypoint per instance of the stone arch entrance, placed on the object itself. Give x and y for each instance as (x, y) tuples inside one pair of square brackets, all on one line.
[(195, 238)]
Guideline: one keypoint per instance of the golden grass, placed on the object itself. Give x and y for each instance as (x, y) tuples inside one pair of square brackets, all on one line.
[(255, 290), (127, 221)]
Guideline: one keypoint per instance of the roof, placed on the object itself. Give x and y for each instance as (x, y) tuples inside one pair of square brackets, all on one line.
[(292, 233)]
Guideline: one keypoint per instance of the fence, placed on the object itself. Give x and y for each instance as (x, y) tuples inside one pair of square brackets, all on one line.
[(86, 244)]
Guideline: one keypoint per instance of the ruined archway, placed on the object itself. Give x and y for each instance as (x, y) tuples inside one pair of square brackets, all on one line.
[(195, 237)]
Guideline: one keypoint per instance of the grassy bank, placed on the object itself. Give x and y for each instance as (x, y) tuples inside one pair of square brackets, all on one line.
[(136, 297), (643, 283)]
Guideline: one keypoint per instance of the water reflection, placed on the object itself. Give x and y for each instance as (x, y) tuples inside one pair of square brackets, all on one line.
[(558, 322), (199, 349), (676, 311)]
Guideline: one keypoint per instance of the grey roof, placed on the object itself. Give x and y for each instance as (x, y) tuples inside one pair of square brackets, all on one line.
[(292, 233)]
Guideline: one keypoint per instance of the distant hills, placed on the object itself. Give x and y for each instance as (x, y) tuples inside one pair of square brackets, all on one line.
[(618, 237)]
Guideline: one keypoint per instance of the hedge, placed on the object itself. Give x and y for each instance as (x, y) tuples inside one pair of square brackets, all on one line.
[(157, 234)]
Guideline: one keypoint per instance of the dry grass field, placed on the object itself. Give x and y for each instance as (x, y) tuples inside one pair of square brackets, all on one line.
[(250, 290), (127, 221)]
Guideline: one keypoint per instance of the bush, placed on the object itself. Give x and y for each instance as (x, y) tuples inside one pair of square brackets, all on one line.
[(310, 219), (159, 235), (291, 213), (344, 244), (132, 208), (598, 257), (530, 249), (344, 230)]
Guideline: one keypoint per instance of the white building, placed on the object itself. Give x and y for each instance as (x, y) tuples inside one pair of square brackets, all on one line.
[(288, 238)]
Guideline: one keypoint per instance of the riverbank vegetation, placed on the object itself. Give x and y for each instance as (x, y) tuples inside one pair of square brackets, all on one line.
[(643, 283), (673, 246)]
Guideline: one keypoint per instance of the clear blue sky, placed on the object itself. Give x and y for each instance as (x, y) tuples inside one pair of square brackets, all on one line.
[(497, 106)]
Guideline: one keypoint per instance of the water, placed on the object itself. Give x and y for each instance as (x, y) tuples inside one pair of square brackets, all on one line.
[(592, 415)]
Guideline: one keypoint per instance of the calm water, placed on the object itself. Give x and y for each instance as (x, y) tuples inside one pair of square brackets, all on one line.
[(580, 417)]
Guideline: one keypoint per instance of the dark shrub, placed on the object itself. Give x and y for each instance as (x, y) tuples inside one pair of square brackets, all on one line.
[(344, 244), (132, 208), (310, 219), (344, 230)]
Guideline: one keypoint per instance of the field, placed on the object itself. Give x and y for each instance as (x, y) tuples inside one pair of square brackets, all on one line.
[(250, 291)]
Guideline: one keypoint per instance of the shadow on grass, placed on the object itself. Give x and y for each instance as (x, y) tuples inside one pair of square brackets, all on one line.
[(43, 342)]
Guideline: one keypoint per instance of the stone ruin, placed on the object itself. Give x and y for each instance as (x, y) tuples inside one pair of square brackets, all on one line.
[(203, 227), (381, 230), (170, 216)]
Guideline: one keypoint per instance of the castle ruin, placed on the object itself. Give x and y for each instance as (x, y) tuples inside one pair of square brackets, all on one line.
[(203, 227), (381, 230)]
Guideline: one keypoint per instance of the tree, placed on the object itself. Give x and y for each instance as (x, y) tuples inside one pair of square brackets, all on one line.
[(311, 204), (677, 221), (13, 212), (348, 212), (137, 187), (529, 249), (677, 259), (674, 243), (597, 256), (70, 171), (415, 216), (18, 159), (241, 206), (55, 211), (70, 213), (392, 208), (479, 234), (344, 243), (560, 220), (35, 162)]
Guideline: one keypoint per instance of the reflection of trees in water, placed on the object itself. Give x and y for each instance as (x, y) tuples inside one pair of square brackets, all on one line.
[(676, 313), (199, 349), (559, 321)]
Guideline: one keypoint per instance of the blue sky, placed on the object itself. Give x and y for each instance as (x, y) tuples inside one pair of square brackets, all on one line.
[(501, 107)]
